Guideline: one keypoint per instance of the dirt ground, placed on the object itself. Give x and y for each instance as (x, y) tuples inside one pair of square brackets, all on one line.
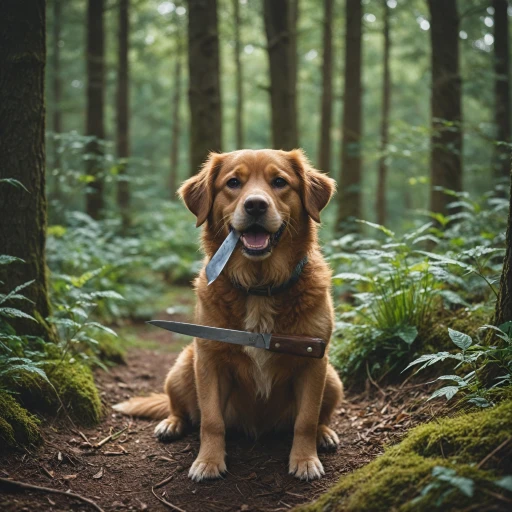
[(125, 471)]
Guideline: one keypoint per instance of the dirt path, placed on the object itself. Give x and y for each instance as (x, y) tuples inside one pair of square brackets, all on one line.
[(121, 474)]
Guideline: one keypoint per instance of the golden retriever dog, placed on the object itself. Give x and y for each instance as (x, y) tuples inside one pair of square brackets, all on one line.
[(274, 199)]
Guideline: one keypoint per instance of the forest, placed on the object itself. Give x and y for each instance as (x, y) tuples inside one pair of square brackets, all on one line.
[(107, 106)]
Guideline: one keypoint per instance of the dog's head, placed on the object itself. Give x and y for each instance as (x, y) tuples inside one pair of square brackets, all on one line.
[(266, 195)]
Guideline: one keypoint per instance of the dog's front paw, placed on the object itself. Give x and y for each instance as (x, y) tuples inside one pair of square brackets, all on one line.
[(203, 469), (306, 468), (327, 439), (170, 429)]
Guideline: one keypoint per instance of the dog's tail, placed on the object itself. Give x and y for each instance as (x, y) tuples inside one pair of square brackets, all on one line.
[(156, 406)]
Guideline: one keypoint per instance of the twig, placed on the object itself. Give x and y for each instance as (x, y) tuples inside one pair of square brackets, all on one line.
[(493, 453), (165, 481), (111, 437), (84, 437), (23, 485), (373, 382), (165, 502)]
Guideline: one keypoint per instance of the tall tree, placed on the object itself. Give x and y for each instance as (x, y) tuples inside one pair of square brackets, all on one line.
[(95, 105), (204, 81), (56, 83), (446, 104), (123, 113), (384, 129), (239, 115), (501, 87), (349, 197), (22, 157), (324, 143), (280, 25), (176, 120)]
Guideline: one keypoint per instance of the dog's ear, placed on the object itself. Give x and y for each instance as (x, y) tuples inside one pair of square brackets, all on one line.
[(197, 192), (316, 187)]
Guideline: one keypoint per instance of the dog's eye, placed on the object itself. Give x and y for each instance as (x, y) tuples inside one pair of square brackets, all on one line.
[(279, 183), (234, 183)]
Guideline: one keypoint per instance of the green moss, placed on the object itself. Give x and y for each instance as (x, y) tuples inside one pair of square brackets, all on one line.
[(18, 427), (72, 387), (397, 477)]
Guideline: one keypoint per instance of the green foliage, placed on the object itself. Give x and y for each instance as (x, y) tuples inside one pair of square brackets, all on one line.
[(394, 288), (441, 457), (477, 358)]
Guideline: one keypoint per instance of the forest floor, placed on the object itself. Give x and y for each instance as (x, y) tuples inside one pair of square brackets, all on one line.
[(126, 472)]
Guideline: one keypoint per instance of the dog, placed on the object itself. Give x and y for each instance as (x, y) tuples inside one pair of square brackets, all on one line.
[(274, 199)]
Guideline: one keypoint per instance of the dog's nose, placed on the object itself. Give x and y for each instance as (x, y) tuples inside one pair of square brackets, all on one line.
[(256, 205)]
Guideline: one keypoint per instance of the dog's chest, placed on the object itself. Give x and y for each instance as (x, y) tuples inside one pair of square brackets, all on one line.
[(260, 317)]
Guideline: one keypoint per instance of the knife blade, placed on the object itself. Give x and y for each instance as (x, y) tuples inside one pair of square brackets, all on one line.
[(306, 346), (221, 257)]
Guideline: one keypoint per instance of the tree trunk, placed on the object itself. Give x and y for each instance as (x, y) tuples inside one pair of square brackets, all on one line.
[(238, 79), (446, 139), (57, 88), (280, 26), (123, 114), (384, 130), (503, 311), (324, 144), (349, 196), (22, 157), (204, 81), (176, 121), (501, 87), (95, 106)]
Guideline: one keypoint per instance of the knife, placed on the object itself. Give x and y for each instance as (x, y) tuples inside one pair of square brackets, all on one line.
[(221, 257), (283, 343)]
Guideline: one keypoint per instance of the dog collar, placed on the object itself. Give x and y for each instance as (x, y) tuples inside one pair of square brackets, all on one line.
[(269, 291)]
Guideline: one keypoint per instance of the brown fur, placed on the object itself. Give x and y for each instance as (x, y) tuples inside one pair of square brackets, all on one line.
[(221, 386)]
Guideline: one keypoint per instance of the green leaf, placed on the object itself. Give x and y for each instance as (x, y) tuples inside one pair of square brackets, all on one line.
[(480, 402), (13, 293), (463, 341), (102, 327), (15, 313), (377, 226), (448, 391), (6, 260), (408, 333), (505, 483), (350, 276), (14, 183)]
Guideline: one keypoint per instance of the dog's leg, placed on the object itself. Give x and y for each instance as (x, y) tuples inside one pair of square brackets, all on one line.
[(212, 393), (308, 388), (327, 439), (181, 389)]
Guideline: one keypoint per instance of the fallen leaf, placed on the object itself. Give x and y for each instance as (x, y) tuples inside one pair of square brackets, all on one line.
[(69, 477), (99, 474)]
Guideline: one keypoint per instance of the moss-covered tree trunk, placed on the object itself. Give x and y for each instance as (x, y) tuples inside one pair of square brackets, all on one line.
[(239, 114), (22, 157), (204, 81), (380, 206), (175, 116), (123, 113), (324, 143), (446, 104), (95, 106), (280, 25), (349, 195), (501, 87), (503, 312)]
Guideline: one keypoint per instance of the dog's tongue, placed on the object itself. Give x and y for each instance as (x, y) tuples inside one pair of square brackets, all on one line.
[(256, 240)]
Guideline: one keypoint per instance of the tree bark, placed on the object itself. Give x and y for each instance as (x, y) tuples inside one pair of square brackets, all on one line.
[(176, 120), (95, 106), (123, 114), (239, 115), (501, 88), (446, 104), (22, 157), (384, 129), (280, 25), (204, 81), (324, 143), (57, 88), (503, 311), (349, 196)]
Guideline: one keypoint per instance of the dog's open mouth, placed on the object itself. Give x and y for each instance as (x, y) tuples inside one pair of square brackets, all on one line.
[(257, 240)]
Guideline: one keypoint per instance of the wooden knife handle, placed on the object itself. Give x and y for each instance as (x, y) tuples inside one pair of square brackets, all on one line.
[(297, 345)]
